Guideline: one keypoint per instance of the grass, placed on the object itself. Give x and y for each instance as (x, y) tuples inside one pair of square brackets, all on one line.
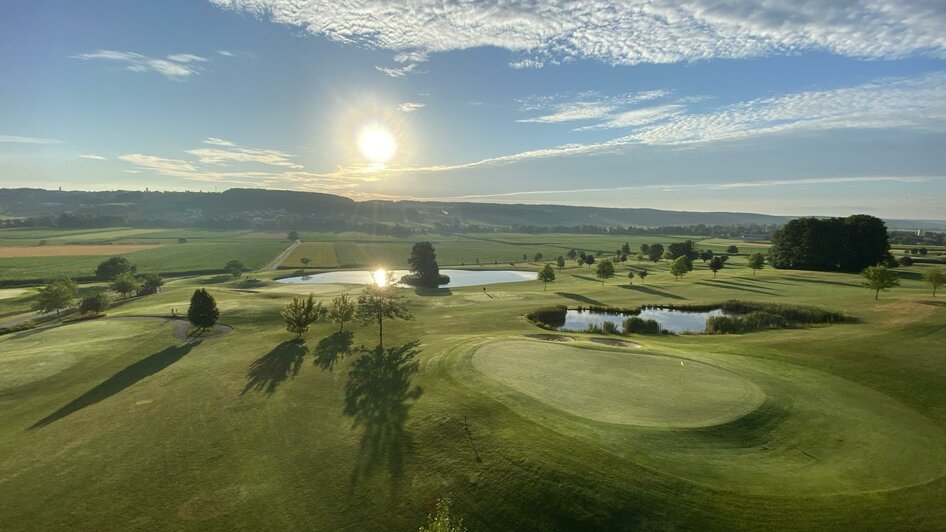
[(109, 424)]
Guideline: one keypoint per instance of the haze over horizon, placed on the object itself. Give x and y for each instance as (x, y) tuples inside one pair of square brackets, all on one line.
[(712, 106)]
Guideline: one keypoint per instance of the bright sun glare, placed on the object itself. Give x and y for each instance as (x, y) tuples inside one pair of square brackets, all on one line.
[(376, 143), (380, 277)]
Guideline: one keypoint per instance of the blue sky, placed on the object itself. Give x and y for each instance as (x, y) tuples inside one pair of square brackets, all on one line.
[(709, 105)]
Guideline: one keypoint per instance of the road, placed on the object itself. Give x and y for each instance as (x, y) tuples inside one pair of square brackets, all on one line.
[(282, 256)]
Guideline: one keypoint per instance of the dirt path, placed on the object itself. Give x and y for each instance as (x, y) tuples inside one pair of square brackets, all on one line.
[(282, 256)]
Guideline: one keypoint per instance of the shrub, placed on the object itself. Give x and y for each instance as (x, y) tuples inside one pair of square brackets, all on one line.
[(638, 325), (417, 282), (609, 327), (95, 304), (548, 317)]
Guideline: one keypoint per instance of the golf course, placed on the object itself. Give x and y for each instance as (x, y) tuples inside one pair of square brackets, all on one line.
[(133, 420)]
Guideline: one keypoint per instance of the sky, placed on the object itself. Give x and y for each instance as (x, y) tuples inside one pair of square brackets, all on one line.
[(772, 106)]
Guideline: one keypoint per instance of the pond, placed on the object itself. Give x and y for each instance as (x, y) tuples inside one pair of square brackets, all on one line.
[(674, 321), (458, 278)]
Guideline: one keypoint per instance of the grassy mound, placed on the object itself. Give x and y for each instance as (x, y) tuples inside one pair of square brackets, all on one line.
[(647, 390)]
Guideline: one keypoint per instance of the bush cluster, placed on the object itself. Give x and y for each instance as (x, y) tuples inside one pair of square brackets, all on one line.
[(419, 282), (548, 317), (636, 325)]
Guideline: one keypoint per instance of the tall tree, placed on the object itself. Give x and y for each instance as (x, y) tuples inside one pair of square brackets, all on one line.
[(654, 252), (305, 262), (379, 302), (715, 265), (643, 275), (537, 257), (56, 295), (125, 284), (879, 278), (109, 269), (756, 262), (630, 278), (560, 262), (678, 268), (604, 271), (342, 311), (425, 272), (626, 248), (546, 276), (300, 313), (936, 277), (202, 312), (234, 268), (589, 260)]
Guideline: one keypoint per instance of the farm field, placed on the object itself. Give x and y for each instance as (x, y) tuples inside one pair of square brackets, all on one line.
[(76, 253), (828, 427)]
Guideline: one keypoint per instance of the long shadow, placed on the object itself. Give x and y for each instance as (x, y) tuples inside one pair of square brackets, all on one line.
[(428, 292), (580, 298), (934, 303), (378, 397), (733, 286), (586, 278), (652, 291), (123, 379), (332, 348), (270, 370), (820, 281)]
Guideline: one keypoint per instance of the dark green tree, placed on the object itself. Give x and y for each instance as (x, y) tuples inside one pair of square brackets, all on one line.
[(679, 268), (425, 272), (151, 283), (604, 271), (560, 262), (715, 265), (234, 268), (110, 268), (655, 252), (643, 275), (125, 284), (202, 312), (537, 257), (293, 235), (589, 260), (756, 262), (732, 250), (684, 249), (94, 304)]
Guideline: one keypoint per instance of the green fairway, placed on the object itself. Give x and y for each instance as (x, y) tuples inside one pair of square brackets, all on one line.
[(116, 424)]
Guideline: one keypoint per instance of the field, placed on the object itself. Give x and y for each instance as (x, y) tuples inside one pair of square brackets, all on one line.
[(114, 423), (77, 253)]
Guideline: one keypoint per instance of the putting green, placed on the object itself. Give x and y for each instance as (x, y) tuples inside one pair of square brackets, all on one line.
[(622, 388)]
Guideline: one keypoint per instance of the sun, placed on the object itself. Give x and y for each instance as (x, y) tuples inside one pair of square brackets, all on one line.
[(376, 143)]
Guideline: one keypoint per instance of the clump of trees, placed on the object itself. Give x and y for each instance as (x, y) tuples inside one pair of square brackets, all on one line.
[(638, 325), (546, 276), (300, 313), (879, 278), (202, 312), (94, 304), (125, 284), (833, 244), (424, 270), (112, 267)]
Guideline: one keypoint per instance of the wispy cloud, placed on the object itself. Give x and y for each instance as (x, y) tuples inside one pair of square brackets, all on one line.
[(589, 105), (622, 33), (92, 156), (226, 53), (397, 72), (218, 141), (636, 117), (177, 67), (410, 107), (526, 63), (17, 139)]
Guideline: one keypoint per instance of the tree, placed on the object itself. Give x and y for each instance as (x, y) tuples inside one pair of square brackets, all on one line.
[(642, 274), (442, 521), (560, 262), (234, 268), (630, 278), (922, 252), (202, 312), (546, 276), (571, 254), (715, 265), (678, 268), (525, 256), (756, 262), (732, 249), (686, 248), (707, 255), (589, 260), (301, 313), (425, 272), (110, 268), (668, 255), (378, 302), (645, 249), (305, 261), (654, 252), (151, 283), (626, 248), (604, 271), (580, 261), (879, 278), (94, 304), (293, 235), (905, 261), (125, 284), (936, 277), (342, 311), (56, 295), (537, 257), (833, 244)]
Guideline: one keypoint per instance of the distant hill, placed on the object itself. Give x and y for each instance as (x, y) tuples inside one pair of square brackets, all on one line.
[(265, 205)]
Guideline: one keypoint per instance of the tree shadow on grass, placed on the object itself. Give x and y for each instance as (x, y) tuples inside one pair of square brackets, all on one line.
[(580, 298), (378, 397), (428, 292), (332, 348), (820, 281), (586, 278), (123, 379), (728, 285), (270, 370), (652, 291)]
